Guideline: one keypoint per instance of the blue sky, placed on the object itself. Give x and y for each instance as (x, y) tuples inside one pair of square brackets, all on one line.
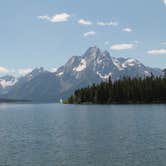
[(48, 32)]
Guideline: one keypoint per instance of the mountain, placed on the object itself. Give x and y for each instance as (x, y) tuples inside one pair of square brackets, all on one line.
[(93, 66), (6, 82), (39, 85)]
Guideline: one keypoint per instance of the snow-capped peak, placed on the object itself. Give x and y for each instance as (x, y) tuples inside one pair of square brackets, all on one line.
[(96, 62)]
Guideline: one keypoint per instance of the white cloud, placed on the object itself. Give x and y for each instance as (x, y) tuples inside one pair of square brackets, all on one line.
[(127, 30), (61, 17), (112, 23), (24, 71), (84, 22), (90, 33), (125, 46), (3, 70), (157, 52), (164, 2)]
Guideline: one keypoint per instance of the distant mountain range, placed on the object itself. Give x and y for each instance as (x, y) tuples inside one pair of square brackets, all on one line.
[(93, 66)]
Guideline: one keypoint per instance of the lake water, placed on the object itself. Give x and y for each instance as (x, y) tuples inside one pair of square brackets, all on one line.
[(70, 135)]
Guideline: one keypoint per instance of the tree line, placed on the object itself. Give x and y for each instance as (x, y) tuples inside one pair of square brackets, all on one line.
[(126, 90)]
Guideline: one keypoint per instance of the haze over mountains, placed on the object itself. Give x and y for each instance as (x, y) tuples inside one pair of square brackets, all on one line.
[(93, 66)]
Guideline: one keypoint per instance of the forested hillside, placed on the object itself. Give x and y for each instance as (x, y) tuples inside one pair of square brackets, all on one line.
[(127, 90)]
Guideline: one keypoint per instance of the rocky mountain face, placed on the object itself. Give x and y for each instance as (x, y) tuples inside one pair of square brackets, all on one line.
[(93, 66), (37, 86)]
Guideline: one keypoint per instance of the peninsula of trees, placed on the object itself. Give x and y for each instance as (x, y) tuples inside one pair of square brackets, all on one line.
[(127, 90)]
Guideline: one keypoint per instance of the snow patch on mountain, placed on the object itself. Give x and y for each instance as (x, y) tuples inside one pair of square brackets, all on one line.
[(99, 61), (104, 77), (117, 63), (147, 73), (81, 67), (60, 74), (130, 63), (5, 83)]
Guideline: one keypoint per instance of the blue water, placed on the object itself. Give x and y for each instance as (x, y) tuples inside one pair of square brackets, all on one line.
[(68, 135)]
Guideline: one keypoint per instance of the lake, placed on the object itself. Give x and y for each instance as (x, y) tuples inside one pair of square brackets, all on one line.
[(75, 135)]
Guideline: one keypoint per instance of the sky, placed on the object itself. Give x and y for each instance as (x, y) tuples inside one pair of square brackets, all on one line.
[(47, 33)]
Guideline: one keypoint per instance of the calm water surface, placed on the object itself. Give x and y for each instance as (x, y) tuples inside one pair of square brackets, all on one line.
[(68, 135)]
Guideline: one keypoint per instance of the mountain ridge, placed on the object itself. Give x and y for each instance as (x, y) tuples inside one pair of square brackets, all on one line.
[(94, 66)]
